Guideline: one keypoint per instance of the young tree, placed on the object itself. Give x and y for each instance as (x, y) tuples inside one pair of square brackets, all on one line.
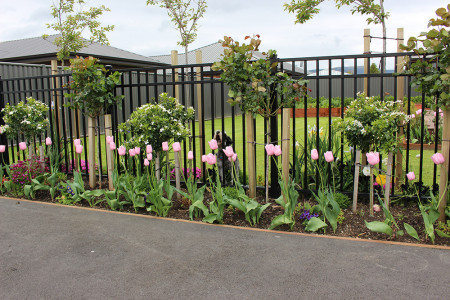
[(306, 9), (185, 15), (70, 22), (374, 69)]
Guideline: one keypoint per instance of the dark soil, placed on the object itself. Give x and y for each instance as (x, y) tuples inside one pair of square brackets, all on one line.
[(352, 225)]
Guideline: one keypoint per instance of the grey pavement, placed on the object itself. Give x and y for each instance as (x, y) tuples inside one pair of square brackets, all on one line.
[(56, 252)]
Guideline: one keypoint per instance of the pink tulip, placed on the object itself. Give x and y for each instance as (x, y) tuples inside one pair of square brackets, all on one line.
[(165, 146), (2, 148), (270, 149), (79, 149), (211, 159), (122, 150), (438, 158), (149, 156), (22, 146), (277, 150), (413, 116), (77, 142), (373, 158), (109, 139), (329, 156), (418, 112), (176, 147), (233, 157), (190, 155), (112, 146), (314, 154), (411, 176), (228, 151), (376, 208), (146, 162), (137, 150), (48, 141), (213, 144), (149, 149), (204, 158), (132, 152)]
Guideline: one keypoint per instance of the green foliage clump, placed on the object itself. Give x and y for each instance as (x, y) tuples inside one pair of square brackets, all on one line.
[(29, 119), (342, 200), (92, 88), (155, 123)]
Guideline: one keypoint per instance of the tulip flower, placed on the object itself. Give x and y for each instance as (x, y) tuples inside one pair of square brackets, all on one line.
[(149, 149), (270, 149), (373, 158), (165, 146), (22, 146), (438, 158), (211, 159), (137, 150), (77, 142), (228, 151), (122, 150), (413, 116), (411, 176), (314, 154), (418, 112), (233, 157), (79, 149), (376, 208), (146, 162), (109, 139), (2, 148), (213, 144), (149, 156), (132, 152), (277, 150), (48, 141), (112, 146), (190, 155), (204, 158), (176, 147), (329, 156)]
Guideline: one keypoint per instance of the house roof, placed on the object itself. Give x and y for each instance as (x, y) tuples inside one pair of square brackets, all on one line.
[(212, 53), (42, 51)]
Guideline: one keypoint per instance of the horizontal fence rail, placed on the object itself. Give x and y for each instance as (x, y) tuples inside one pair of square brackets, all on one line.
[(332, 81)]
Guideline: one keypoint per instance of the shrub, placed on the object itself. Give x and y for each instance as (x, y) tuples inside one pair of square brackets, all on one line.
[(343, 200), (231, 192)]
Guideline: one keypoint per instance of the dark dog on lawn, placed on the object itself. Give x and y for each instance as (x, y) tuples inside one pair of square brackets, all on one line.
[(224, 166)]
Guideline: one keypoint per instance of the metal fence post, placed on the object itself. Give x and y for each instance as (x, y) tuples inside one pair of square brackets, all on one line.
[(274, 185), (3, 139)]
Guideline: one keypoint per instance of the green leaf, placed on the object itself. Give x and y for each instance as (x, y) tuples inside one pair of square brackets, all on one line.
[(381, 227), (411, 231), (442, 234), (280, 220), (315, 224)]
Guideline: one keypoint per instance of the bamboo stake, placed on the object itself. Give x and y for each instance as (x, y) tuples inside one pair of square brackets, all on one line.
[(157, 167), (91, 154), (387, 188), (400, 96), (177, 174), (251, 155), (356, 180), (366, 60)]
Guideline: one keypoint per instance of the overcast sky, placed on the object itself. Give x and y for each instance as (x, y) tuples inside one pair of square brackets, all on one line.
[(147, 30)]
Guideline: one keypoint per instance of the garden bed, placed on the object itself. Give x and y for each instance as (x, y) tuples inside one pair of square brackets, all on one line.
[(352, 224)]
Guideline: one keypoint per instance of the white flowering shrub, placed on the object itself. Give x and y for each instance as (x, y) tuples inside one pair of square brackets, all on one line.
[(371, 124), (29, 119), (155, 123)]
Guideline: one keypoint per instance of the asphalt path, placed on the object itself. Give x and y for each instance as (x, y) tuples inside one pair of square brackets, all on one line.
[(60, 252)]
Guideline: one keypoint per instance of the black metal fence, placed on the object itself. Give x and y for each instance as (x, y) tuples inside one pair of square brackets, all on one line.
[(197, 86)]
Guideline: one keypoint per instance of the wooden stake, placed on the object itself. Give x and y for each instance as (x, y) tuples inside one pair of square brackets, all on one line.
[(177, 173), (366, 60), (400, 96), (91, 154), (285, 139), (198, 60), (387, 188), (251, 155), (109, 153), (443, 193), (175, 63), (356, 180), (157, 167)]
